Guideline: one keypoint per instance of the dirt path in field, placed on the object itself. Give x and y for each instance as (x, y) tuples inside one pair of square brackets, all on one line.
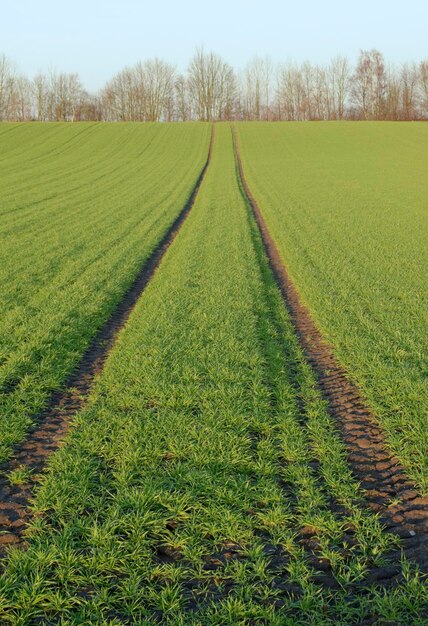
[(387, 488), (53, 423)]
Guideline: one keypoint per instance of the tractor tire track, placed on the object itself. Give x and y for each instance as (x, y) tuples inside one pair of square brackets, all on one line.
[(52, 424), (387, 488)]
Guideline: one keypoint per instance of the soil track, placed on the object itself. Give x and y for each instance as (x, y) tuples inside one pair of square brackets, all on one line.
[(53, 423), (388, 490)]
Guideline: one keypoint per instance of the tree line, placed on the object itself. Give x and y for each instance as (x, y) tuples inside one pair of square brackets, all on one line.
[(211, 90)]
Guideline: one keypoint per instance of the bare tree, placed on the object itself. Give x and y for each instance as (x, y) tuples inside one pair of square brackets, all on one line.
[(291, 93), (75, 94), (369, 85), (409, 77), (251, 92), (40, 91), (183, 110), (393, 96), (141, 93), (423, 88), (339, 77), (7, 79), (212, 87), (159, 83), (119, 97), (152, 91), (308, 88), (257, 88), (20, 99)]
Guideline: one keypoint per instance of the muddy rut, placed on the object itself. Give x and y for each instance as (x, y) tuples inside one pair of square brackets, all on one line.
[(52, 424), (387, 489)]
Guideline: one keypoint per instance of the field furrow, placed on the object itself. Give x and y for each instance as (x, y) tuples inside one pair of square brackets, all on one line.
[(205, 482)]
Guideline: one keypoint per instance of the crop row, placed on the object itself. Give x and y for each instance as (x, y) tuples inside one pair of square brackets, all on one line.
[(205, 482), (346, 205), (82, 209)]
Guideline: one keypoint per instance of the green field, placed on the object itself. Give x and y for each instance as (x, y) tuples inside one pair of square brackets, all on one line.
[(82, 207), (347, 205), (205, 482)]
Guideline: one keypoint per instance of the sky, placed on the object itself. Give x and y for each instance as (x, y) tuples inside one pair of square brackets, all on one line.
[(97, 38)]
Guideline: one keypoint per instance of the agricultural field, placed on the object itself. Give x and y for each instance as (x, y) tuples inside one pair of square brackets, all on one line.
[(207, 479), (347, 205), (82, 207)]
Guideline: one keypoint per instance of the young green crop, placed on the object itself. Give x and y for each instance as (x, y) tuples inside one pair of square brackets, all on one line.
[(204, 483), (82, 208), (347, 205)]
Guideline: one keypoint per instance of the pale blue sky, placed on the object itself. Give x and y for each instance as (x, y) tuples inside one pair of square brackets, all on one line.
[(98, 37)]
